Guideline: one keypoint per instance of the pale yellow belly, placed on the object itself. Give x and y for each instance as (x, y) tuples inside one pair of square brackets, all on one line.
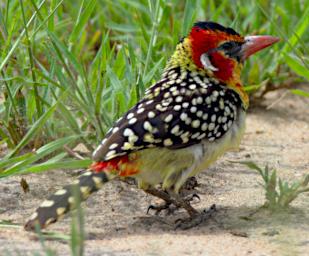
[(173, 167), (213, 150)]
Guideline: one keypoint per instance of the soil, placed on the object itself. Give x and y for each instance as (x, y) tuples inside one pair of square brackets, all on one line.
[(116, 222)]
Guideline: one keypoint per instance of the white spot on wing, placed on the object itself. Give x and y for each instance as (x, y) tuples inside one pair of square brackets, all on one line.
[(113, 146), (192, 86), (168, 118), (178, 98), (151, 114), (140, 110), (115, 129), (193, 109), (168, 142), (132, 120), (196, 123), (175, 129), (177, 107), (127, 146), (147, 126), (204, 127), (185, 104), (47, 203), (130, 115), (211, 126), (110, 154), (61, 192), (133, 138), (60, 211), (127, 132)]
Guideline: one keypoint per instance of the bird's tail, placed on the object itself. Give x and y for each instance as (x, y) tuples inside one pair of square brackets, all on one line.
[(65, 199)]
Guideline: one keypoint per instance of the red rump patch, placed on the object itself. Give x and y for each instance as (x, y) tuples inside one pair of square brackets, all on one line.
[(121, 165)]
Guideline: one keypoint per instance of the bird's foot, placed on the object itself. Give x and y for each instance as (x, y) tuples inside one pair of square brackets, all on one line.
[(195, 219), (165, 206), (190, 184), (170, 205), (192, 197)]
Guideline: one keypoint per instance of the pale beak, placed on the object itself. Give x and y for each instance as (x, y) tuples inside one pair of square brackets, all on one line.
[(254, 44)]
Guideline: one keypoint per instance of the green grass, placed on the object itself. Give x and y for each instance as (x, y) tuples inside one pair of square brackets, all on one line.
[(279, 193), (68, 69)]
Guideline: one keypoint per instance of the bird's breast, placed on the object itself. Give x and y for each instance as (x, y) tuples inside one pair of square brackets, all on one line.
[(231, 140)]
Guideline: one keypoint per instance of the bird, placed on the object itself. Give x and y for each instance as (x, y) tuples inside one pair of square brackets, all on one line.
[(183, 124)]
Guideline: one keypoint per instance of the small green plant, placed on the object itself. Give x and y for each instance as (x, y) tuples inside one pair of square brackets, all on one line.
[(279, 193)]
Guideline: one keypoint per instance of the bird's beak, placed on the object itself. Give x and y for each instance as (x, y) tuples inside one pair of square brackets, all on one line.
[(254, 44)]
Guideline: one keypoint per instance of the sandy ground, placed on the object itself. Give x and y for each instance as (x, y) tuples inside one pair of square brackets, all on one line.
[(116, 219)]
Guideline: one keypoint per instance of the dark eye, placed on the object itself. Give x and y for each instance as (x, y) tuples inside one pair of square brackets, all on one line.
[(228, 46), (231, 49)]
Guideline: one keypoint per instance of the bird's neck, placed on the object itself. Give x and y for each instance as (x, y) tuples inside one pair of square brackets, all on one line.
[(182, 57), (236, 85)]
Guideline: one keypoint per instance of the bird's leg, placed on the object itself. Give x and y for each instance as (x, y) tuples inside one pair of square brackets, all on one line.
[(172, 198), (195, 216), (188, 191), (168, 200), (183, 203), (185, 193)]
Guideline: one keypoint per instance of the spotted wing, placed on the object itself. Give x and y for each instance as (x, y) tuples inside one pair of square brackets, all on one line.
[(174, 115)]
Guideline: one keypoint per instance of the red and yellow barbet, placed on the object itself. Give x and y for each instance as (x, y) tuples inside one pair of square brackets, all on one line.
[(185, 121)]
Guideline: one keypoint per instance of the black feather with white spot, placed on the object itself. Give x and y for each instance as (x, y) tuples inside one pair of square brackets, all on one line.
[(180, 110)]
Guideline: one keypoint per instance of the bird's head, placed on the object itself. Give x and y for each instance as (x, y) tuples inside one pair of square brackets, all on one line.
[(220, 52)]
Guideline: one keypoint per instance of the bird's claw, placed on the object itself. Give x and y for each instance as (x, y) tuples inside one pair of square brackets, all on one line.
[(196, 219), (159, 208), (170, 207), (191, 197)]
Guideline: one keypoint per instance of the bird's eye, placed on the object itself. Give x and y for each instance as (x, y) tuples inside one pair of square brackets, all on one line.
[(228, 46), (231, 49)]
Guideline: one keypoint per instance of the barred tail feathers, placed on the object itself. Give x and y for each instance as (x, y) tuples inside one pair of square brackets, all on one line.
[(63, 200)]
